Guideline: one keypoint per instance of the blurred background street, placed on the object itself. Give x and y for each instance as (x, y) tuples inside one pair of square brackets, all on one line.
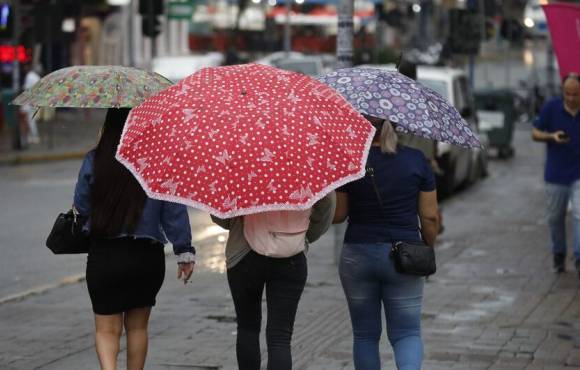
[(491, 44), (494, 304)]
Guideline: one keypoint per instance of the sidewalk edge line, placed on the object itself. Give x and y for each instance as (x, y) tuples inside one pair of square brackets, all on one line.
[(35, 158), (73, 279), (68, 280)]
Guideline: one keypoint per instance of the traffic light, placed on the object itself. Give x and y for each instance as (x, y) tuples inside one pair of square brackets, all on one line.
[(511, 29), (490, 8), (464, 31), (148, 29), (6, 21), (149, 10), (145, 7)]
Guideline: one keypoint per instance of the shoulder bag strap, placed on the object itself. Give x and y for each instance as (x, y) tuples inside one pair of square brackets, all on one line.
[(371, 172)]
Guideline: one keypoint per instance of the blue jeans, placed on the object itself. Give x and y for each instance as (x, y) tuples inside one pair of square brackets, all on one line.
[(558, 197), (370, 282)]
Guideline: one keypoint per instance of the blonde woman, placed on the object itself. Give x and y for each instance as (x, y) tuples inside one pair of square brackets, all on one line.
[(389, 204)]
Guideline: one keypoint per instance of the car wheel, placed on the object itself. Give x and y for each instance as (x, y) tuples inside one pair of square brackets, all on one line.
[(475, 171), (479, 170)]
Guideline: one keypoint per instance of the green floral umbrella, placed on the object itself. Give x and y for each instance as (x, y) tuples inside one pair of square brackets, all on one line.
[(93, 87)]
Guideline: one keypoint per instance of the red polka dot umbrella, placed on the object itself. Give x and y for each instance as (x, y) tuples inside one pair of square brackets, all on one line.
[(245, 139)]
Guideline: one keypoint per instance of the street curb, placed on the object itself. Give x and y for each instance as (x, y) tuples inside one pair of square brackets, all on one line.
[(43, 288), (18, 159), (74, 279)]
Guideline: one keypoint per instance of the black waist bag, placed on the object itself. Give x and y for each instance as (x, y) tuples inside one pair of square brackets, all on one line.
[(413, 258)]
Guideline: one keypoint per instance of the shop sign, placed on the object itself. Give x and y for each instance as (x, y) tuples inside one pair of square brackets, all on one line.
[(180, 9), (8, 53)]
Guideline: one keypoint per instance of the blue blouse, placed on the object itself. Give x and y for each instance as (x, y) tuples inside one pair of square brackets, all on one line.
[(399, 178), (160, 220)]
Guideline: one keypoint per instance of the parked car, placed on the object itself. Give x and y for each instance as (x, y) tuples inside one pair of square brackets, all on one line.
[(311, 65), (535, 19), (459, 166), (177, 68)]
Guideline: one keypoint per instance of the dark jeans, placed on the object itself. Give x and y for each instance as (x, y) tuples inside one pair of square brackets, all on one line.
[(284, 279)]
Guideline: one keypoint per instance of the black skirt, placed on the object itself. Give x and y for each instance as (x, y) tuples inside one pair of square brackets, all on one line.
[(124, 273)]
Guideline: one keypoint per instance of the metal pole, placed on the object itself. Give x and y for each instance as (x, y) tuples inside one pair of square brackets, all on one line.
[(507, 59), (15, 42), (423, 20), (344, 38), (130, 43), (153, 39), (287, 29), (17, 142), (550, 88), (49, 39), (482, 38), (471, 71), (49, 66), (472, 5)]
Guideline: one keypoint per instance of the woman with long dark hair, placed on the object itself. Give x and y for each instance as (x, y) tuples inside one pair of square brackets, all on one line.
[(126, 261)]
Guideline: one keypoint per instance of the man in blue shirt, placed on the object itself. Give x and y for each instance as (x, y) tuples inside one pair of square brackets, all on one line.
[(558, 125)]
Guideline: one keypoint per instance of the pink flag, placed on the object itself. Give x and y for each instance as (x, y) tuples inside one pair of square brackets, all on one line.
[(564, 25)]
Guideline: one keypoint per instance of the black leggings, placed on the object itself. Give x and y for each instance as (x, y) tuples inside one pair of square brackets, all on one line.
[(284, 279)]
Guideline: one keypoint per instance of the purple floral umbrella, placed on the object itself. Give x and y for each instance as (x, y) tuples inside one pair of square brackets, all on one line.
[(410, 106)]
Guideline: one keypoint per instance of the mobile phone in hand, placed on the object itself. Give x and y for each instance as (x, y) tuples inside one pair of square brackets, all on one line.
[(563, 136)]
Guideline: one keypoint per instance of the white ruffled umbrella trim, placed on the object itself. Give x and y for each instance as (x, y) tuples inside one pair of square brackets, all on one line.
[(254, 209)]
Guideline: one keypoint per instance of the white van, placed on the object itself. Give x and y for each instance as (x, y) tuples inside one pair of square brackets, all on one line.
[(176, 68), (311, 65), (459, 165)]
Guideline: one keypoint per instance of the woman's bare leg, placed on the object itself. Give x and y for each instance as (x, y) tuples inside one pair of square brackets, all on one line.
[(136, 322), (108, 330)]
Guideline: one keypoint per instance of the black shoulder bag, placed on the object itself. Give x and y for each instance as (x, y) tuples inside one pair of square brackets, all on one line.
[(410, 257), (67, 235)]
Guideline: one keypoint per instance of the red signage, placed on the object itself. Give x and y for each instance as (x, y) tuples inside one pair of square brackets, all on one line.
[(9, 53), (564, 24)]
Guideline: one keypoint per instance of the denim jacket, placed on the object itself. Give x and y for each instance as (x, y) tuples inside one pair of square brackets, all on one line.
[(160, 220)]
